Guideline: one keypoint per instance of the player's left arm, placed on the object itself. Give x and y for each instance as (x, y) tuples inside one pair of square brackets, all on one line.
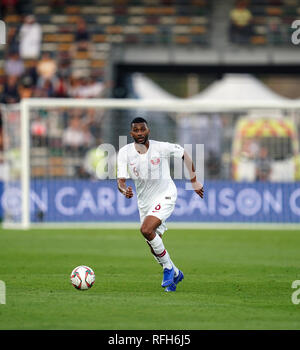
[(197, 186)]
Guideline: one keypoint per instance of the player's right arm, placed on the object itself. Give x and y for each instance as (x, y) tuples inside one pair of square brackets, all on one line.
[(126, 191), (123, 174)]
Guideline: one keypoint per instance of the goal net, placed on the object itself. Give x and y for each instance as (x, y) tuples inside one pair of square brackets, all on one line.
[(54, 172)]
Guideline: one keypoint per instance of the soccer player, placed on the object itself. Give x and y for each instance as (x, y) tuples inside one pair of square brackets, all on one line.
[(147, 163)]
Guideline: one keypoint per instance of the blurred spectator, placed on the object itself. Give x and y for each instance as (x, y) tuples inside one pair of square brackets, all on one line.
[(46, 69), (63, 74), (90, 88), (97, 88), (82, 36), (14, 65), (89, 140), (240, 25), (61, 87), (213, 143), (39, 132), (9, 7), (73, 85), (3, 167), (81, 85), (45, 89), (263, 165), (83, 90), (1, 134), (93, 120), (10, 93), (64, 67), (77, 137), (213, 165), (275, 29), (26, 87), (12, 39), (30, 38), (250, 148), (57, 6), (31, 72)]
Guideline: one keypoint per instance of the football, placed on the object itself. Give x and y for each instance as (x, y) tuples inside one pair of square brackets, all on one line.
[(82, 277)]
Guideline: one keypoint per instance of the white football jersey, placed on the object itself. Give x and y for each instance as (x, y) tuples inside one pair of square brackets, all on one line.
[(150, 171)]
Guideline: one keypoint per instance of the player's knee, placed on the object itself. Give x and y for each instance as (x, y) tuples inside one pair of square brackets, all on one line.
[(147, 232)]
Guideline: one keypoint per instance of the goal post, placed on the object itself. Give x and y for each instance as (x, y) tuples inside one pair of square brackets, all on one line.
[(25, 164), (45, 165)]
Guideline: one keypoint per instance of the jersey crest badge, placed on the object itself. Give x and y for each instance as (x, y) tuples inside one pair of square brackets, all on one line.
[(155, 161)]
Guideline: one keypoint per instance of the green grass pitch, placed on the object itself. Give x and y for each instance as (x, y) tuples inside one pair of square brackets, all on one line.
[(234, 279)]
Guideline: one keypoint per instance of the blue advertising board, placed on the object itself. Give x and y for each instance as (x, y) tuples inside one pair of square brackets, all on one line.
[(88, 201)]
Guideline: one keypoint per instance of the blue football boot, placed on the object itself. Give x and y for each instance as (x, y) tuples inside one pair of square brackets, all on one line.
[(171, 288), (177, 279), (168, 277)]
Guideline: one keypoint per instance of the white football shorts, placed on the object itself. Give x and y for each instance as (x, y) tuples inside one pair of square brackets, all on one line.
[(162, 208)]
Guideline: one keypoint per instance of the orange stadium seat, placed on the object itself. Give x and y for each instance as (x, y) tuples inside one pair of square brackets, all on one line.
[(182, 39), (162, 11), (258, 40), (73, 19), (98, 63), (114, 29), (149, 30), (38, 171), (72, 10), (64, 46), (183, 20), (82, 55), (42, 10), (58, 38), (13, 19), (56, 166), (274, 11), (198, 29), (99, 38)]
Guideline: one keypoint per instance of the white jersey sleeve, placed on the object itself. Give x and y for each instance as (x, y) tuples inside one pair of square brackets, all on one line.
[(122, 164), (174, 150)]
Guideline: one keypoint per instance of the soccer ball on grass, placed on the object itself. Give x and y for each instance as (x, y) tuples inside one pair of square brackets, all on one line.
[(82, 277)]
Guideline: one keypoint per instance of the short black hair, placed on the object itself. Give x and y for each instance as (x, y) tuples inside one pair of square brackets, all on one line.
[(139, 120)]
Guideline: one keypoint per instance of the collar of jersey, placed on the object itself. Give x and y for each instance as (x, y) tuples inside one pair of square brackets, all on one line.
[(142, 154)]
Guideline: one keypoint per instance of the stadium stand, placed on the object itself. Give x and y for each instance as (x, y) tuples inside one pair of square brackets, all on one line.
[(123, 23), (80, 37), (111, 23), (263, 22)]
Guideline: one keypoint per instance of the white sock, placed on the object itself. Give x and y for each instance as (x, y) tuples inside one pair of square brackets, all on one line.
[(176, 270), (161, 254)]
